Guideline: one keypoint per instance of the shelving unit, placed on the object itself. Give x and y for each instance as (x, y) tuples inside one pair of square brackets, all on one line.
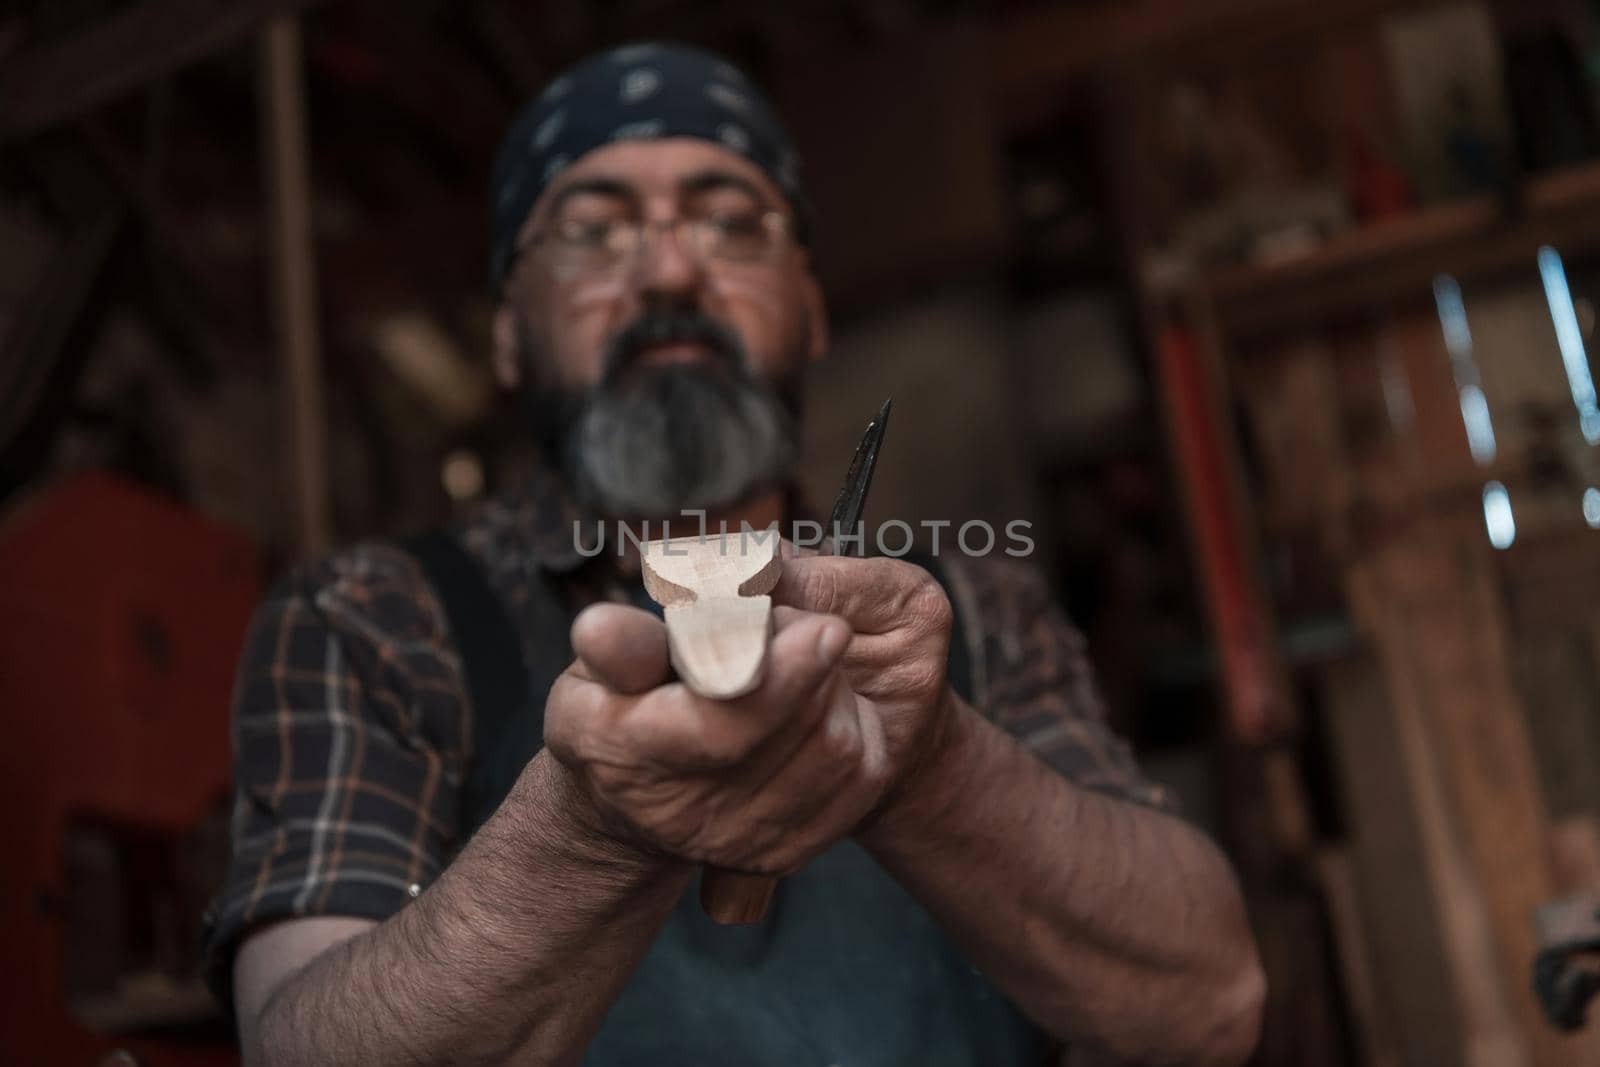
[(1398, 258), (1434, 670)]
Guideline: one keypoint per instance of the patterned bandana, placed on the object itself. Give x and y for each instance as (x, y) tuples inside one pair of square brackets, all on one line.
[(640, 91)]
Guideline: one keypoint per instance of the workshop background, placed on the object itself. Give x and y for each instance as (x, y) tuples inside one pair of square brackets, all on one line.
[(1272, 315)]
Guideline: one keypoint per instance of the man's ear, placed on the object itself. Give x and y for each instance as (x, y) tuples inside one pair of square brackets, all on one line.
[(816, 310), (507, 356)]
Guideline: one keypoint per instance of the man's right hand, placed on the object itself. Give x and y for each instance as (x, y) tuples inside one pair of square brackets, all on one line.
[(758, 784)]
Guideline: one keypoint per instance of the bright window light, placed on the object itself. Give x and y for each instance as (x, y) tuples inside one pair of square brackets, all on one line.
[(1570, 340), (1497, 515), (1452, 317), (1469, 387), (1480, 429)]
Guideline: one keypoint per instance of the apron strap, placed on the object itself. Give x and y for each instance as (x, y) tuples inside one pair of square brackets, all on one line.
[(506, 692)]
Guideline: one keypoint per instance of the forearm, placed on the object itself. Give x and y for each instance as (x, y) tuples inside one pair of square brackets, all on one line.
[(516, 951), (1098, 917)]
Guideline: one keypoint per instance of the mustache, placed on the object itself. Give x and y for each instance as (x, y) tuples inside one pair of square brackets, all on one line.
[(672, 327)]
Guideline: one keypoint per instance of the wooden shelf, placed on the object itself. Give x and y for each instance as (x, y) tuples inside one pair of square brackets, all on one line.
[(1363, 271)]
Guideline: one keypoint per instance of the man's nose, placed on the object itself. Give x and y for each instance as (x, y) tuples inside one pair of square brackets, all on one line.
[(666, 267)]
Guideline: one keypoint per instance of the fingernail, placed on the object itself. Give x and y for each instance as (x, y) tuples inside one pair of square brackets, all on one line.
[(831, 642)]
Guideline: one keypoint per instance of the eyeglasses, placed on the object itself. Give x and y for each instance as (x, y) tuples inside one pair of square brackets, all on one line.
[(584, 246)]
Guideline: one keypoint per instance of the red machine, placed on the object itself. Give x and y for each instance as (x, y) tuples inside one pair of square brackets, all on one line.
[(121, 618)]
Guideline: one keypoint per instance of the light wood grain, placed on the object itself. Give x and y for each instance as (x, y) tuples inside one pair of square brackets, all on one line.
[(718, 615), (713, 592)]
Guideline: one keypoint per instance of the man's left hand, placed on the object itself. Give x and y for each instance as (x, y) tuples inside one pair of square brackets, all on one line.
[(898, 654)]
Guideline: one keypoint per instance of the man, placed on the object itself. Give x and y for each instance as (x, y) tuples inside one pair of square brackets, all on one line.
[(977, 872)]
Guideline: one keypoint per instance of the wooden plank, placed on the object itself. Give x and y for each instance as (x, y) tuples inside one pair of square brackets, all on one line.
[(1374, 1028), (1372, 268), (1399, 849), (57, 81), (1575, 855), (1557, 679), (1489, 1030), (1432, 604), (294, 278)]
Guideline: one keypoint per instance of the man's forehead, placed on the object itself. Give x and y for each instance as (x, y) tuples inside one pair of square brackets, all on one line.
[(657, 167)]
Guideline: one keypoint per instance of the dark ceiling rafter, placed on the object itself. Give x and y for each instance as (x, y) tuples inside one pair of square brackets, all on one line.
[(1041, 47), (173, 286), (414, 63), (49, 344), (58, 81), (508, 51)]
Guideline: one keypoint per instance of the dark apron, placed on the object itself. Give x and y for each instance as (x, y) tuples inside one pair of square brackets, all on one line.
[(846, 968)]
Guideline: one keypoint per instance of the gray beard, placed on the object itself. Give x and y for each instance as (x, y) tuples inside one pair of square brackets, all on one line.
[(648, 442), (665, 439)]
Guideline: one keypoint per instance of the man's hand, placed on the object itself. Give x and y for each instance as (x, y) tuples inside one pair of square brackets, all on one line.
[(1099, 918), (898, 656), (759, 784)]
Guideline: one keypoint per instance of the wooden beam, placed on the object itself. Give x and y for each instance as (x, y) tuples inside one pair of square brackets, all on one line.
[(520, 68), (60, 80), (282, 93), (1383, 264), (50, 342), (1398, 848), (1431, 602), (172, 273)]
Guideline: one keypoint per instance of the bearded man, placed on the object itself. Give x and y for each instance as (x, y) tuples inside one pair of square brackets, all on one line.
[(472, 802)]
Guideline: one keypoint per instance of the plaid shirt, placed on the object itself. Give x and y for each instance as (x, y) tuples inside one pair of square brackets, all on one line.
[(352, 730)]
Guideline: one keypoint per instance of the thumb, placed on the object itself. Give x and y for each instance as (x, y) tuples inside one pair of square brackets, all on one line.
[(623, 648)]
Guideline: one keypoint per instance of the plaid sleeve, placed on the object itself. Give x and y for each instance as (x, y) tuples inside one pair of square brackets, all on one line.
[(1031, 676), (348, 750)]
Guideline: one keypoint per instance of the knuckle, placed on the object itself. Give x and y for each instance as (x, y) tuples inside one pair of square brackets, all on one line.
[(820, 588), (873, 777), (607, 778), (921, 599), (920, 676), (559, 724), (726, 747), (788, 863), (841, 740), (786, 858), (933, 603)]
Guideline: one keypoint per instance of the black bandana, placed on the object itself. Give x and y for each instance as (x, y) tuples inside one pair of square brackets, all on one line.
[(639, 91)]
